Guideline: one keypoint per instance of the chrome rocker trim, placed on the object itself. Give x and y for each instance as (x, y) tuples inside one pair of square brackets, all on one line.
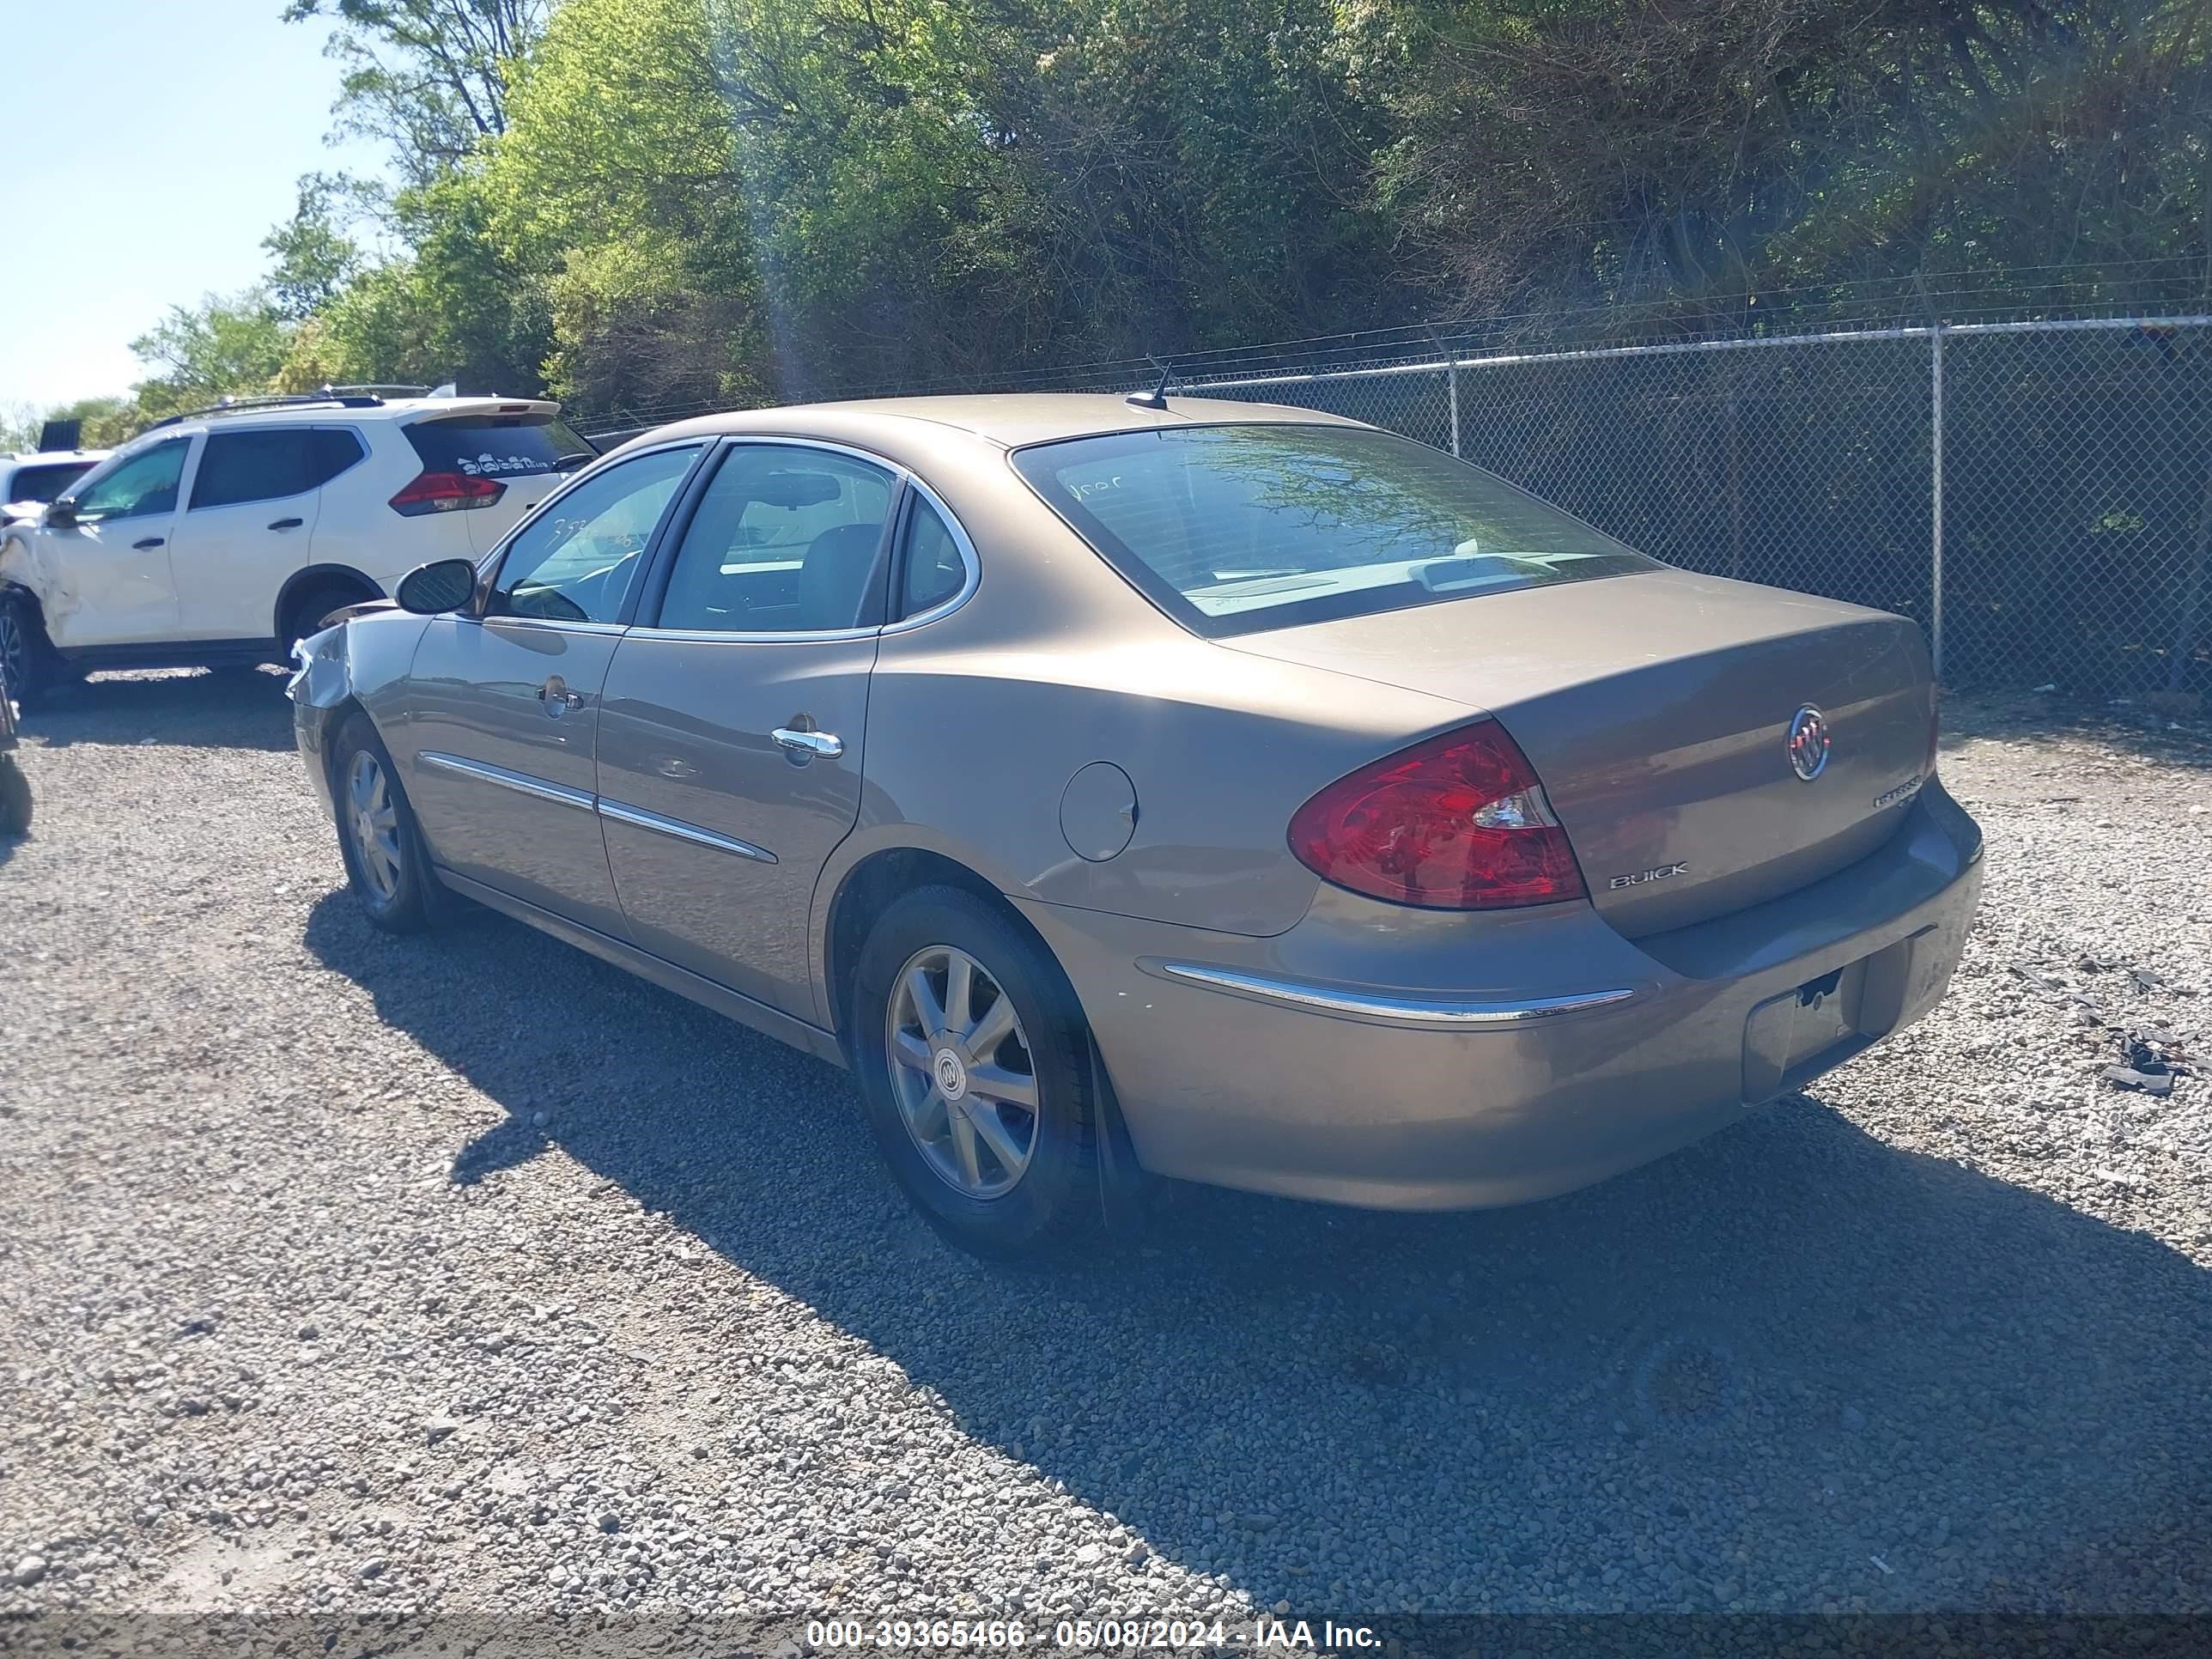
[(1430, 1013)]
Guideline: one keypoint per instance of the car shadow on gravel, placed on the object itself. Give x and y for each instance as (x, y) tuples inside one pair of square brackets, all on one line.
[(191, 708), (1791, 1367)]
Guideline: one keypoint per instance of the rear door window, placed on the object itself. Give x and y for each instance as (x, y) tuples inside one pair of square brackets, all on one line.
[(498, 445), (785, 540), (269, 464)]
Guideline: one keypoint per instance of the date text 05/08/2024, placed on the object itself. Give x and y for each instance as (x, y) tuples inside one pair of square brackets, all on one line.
[(1091, 1635)]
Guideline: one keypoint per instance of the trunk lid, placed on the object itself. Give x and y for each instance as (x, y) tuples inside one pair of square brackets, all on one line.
[(1657, 710)]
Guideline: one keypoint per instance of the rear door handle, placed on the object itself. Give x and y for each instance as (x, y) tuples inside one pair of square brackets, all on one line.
[(286, 524), (827, 745), (150, 541)]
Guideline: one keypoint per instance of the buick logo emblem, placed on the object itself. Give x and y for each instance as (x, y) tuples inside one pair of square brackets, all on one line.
[(1808, 743)]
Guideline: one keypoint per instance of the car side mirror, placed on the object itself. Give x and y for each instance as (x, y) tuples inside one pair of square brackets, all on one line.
[(432, 590), (62, 514)]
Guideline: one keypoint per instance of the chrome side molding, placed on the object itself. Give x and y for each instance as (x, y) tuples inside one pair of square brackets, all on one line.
[(522, 783), (682, 831), (563, 795)]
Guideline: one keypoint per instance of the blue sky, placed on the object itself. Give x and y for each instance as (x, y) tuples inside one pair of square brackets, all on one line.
[(151, 144)]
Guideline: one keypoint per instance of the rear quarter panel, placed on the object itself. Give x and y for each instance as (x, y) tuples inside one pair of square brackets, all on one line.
[(977, 721)]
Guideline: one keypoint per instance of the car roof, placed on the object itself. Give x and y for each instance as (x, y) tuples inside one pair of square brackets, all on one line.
[(1007, 419), (52, 456)]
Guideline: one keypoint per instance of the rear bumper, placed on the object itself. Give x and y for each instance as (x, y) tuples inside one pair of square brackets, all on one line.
[(1411, 1060)]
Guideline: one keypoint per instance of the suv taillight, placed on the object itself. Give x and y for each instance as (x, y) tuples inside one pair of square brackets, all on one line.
[(1458, 823), (446, 492)]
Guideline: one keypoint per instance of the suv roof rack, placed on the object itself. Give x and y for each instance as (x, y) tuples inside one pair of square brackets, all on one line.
[(373, 387), (328, 396)]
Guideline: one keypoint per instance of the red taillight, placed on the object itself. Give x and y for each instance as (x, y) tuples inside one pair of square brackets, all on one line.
[(1458, 823), (446, 492)]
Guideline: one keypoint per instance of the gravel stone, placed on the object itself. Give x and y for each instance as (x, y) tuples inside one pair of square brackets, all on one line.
[(275, 1202)]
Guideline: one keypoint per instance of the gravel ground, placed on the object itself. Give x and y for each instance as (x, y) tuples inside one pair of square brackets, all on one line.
[(466, 1273)]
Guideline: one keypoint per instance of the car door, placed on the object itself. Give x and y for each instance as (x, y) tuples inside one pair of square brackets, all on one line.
[(110, 568), (503, 705), (732, 724), (249, 524)]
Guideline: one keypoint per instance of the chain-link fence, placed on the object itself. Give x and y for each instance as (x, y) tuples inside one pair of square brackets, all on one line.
[(2037, 495)]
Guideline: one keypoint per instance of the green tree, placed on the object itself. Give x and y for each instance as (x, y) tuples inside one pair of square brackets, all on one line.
[(425, 76), (456, 307), (311, 258), (221, 347), (102, 423)]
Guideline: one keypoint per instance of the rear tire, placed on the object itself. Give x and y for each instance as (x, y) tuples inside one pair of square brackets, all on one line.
[(15, 799), (1034, 1080), (386, 864)]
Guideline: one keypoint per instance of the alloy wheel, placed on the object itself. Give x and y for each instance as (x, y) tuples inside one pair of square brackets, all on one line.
[(15, 650), (962, 1072), (373, 822)]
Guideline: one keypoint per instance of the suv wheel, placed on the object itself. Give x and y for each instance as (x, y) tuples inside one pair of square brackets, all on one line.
[(973, 1065), (305, 615), (384, 861), (27, 661)]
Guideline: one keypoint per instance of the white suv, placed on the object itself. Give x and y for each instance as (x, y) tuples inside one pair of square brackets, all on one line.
[(27, 483), (220, 537)]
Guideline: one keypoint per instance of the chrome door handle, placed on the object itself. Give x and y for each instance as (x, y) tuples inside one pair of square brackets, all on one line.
[(557, 698), (828, 745)]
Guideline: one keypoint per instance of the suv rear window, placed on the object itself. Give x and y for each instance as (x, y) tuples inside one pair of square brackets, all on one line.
[(1235, 529), (497, 446), (46, 483)]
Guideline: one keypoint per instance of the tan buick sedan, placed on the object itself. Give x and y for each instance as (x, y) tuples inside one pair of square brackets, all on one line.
[(1209, 789)]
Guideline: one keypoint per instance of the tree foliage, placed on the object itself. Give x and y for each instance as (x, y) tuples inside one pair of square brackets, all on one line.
[(645, 204), (427, 77)]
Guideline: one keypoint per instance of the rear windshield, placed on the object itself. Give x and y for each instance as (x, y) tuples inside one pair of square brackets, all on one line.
[(1235, 529), (497, 446), (46, 483)]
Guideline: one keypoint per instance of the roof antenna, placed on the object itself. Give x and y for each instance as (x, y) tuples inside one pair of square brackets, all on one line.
[(1157, 397)]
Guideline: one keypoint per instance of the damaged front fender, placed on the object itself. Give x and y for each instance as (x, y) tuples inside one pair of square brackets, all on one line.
[(358, 662), (25, 562)]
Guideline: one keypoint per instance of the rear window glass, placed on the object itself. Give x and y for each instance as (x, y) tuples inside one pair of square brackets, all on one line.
[(1234, 529), (46, 483), (497, 446)]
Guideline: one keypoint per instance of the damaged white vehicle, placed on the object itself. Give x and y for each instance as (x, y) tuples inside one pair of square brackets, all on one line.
[(218, 538)]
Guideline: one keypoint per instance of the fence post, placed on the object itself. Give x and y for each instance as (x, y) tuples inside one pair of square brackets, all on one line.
[(1935, 497), (1452, 369)]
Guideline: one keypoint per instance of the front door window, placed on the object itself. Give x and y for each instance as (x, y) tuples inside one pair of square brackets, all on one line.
[(140, 486), (576, 560)]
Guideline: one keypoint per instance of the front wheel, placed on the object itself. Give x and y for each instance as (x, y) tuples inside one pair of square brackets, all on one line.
[(27, 661), (386, 864), (974, 1067)]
